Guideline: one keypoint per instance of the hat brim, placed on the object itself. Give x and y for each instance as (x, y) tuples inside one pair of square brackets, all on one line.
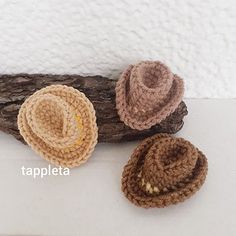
[(132, 190), (168, 107), (80, 151)]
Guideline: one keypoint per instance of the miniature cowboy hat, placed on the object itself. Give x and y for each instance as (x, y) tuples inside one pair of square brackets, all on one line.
[(147, 93), (163, 170), (59, 123)]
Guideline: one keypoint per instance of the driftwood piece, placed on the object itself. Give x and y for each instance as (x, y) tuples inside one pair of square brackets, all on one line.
[(101, 92)]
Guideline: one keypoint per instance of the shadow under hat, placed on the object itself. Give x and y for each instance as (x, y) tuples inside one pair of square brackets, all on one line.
[(147, 93), (163, 170)]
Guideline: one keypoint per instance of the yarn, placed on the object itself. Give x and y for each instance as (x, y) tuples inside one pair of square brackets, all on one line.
[(59, 123), (163, 170), (147, 93)]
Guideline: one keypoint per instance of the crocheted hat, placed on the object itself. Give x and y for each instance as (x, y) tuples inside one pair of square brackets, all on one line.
[(163, 170), (59, 123), (147, 93)]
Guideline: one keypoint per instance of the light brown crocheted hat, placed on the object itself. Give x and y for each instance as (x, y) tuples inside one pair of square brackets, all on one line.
[(59, 123), (163, 170), (147, 93)]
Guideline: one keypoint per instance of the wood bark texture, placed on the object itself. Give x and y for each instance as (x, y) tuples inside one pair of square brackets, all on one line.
[(14, 89)]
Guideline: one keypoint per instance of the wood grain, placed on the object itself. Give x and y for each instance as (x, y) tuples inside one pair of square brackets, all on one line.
[(14, 89)]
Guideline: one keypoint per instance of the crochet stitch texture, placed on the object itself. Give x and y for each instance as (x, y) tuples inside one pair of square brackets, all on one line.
[(147, 93), (59, 123), (163, 170)]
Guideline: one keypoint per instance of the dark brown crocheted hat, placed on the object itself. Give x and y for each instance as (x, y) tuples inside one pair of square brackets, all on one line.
[(147, 93), (163, 170)]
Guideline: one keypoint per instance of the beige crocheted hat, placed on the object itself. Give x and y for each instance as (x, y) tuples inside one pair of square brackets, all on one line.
[(163, 170), (147, 93), (59, 123)]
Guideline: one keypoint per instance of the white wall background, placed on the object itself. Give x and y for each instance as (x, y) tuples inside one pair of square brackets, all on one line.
[(196, 38)]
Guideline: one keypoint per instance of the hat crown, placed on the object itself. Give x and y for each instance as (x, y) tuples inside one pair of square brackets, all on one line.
[(168, 162), (53, 120), (150, 83)]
